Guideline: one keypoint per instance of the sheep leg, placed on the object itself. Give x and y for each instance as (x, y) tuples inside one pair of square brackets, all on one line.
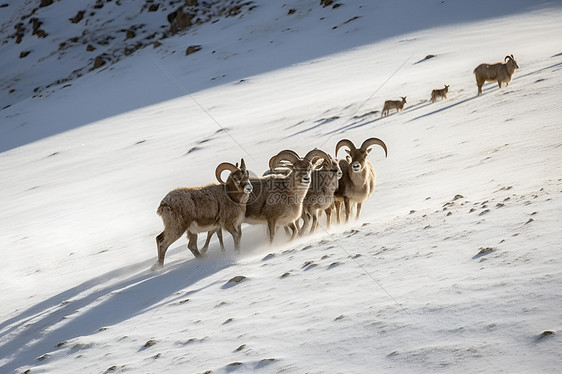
[(479, 83), (338, 211), (499, 84), (314, 222), (271, 230), (219, 235), (328, 212), (305, 221), (236, 232), (358, 210), (192, 244), (347, 208), (206, 245), (163, 241), (293, 229)]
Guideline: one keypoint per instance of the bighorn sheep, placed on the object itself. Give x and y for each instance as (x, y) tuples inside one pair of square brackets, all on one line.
[(499, 72), (277, 199), (320, 195), (204, 208), (439, 93), (393, 104), (359, 178)]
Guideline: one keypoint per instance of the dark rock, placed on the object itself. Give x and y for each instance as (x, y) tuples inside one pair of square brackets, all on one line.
[(90, 48), (130, 34), (233, 11), (99, 61), (78, 17), (41, 33), (153, 7), (237, 279), (183, 20), (546, 333), (149, 343), (24, 54), (292, 11), (192, 49), (45, 3), (36, 24)]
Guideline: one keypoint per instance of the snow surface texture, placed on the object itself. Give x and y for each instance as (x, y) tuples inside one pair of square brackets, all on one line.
[(454, 265)]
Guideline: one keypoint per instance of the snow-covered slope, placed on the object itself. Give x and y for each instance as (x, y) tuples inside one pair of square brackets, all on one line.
[(455, 262)]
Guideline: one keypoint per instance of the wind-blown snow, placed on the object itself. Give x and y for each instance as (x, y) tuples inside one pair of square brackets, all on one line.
[(454, 265)]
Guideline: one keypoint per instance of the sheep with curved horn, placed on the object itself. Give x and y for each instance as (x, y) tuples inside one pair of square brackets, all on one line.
[(278, 198), (359, 178), (320, 195), (499, 72), (204, 208)]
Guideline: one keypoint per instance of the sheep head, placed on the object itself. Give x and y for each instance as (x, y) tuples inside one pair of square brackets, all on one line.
[(300, 167), (359, 155), (238, 180), (403, 99), (331, 165), (510, 60)]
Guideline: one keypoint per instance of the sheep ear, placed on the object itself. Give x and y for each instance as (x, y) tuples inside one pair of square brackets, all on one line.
[(242, 164)]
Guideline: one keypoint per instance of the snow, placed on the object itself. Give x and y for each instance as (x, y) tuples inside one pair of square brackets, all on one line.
[(454, 264)]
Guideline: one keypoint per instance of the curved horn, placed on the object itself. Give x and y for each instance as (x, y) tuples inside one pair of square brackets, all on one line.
[(345, 143), (222, 167), (374, 141), (506, 57), (317, 153), (286, 155)]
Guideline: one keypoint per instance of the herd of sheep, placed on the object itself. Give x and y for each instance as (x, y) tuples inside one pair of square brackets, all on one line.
[(292, 193), (500, 72)]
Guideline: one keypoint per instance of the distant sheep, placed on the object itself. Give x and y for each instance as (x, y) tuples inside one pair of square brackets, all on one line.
[(499, 72), (439, 93), (204, 208), (393, 104)]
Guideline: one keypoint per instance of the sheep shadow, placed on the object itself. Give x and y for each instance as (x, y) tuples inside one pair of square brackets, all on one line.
[(361, 122), (444, 108), (317, 124), (50, 324)]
